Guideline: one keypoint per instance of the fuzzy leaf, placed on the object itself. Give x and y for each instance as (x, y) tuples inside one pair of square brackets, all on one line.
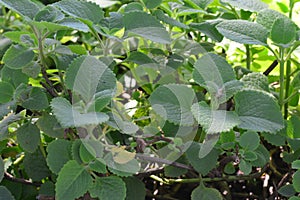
[(50, 126), (67, 116), (35, 166), (17, 57), (258, 111), (25, 8), (135, 188), (296, 181), (37, 99), (214, 121), (1, 169), (168, 20), (209, 28), (256, 81), (6, 92), (249, 140), (283, 32), (204, 193), (150, 4), (73, 181), (5, 194), (28, 137), (89, 77), (108, 188), (146, 26), (250, 5), (173, 103), (85, 10), (244, 32), (59, 153), (267, 17)]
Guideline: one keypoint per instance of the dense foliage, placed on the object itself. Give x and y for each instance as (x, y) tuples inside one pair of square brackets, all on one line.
[(149, 99)]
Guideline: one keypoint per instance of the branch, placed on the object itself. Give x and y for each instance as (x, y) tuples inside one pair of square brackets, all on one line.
[(10, 177)]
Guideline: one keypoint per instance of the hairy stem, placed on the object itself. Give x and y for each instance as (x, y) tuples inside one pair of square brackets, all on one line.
[(248, 54)]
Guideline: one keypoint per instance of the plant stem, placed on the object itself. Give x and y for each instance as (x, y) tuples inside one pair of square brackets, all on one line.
[(248, 54), (281, 79), (287, 88)]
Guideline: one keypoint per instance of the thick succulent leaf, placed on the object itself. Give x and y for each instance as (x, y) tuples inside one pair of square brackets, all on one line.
[(6, 194), (256, 81), (244, 32), (214, 74), (81, 9), (166, 19), (250, 5), (205, 164), (135, 188), (283, 32), (88, 76), (204, 193), (150, 4), (73, 181), (209, 28), (173, 103), (50, 126), (25, 8), (146, 26), (249, 140), (267, 17), (108, 188), (1, 169), (6, 92), (28, 137), (35, 166), (17, 57), (67, 116), (258, 111), (59, 153), (214, 121)]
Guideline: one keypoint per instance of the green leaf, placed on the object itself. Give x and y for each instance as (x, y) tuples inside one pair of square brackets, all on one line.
[(146, 26), (35, 166), (108, 188), (250, 5), (214, 121), (73, 181), (32, 70), (205, 164), (256, 81), (204, 193), (249, 140), (90, 150), (88, 76), (258, 111), (28, 137), (277, 140), (135, 188), (250, 156), (59, 153), (263, 156), (243, 31), (47, 189), (229, 168), (203, 3), (173, 103), (6, 92), (168, 20), (10, 118), (214, 74), (150, 4), (2, 170), (296, 164), (172, 171), (245, 167), (85, 10), (98, 165), (209, 28), (25, 8), (15, 77), (50, 126), (37, 99), (283, 32), (17, 57), (287, 190), (267, 17), (296, 181), (5, 194), (67, 116), (49, 14)]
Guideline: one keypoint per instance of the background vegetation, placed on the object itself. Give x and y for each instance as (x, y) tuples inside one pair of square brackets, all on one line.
[(149, 99)]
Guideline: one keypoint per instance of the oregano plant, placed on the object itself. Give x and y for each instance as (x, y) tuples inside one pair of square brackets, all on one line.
[(160, 99)]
